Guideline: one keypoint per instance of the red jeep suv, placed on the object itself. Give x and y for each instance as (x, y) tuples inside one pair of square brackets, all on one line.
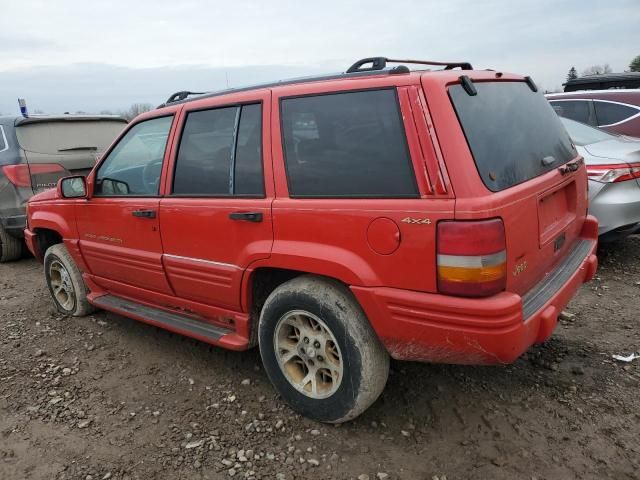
[(334, 221)]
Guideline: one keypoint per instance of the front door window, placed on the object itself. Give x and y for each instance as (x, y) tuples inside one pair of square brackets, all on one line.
[(133, 167)]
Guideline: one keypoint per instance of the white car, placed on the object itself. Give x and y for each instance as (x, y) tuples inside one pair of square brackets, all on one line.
[(613, 165)]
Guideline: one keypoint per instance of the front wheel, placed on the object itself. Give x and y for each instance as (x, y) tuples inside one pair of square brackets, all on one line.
[(320, 351), (65, 282)]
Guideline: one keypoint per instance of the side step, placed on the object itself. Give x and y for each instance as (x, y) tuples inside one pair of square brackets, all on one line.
[(160, 318)]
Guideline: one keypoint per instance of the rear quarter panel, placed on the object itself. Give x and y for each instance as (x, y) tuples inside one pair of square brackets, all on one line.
[(517, 205)]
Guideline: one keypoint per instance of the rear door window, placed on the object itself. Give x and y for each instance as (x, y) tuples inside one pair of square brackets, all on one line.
[(346, 145), (220, 153), (577, 110), (513, 133), (609, 113)]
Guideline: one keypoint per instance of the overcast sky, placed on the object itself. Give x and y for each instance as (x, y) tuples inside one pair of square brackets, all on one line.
[(69, 55)]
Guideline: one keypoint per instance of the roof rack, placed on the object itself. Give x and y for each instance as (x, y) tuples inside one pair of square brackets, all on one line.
[(379, 63), (181, 95)]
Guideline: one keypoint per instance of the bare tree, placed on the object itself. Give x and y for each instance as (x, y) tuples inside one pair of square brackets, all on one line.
[(136, 109), (596, 70)]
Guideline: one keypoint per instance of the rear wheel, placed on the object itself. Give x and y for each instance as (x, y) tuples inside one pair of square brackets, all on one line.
[(10, 247), (320, 351), (65, 282)]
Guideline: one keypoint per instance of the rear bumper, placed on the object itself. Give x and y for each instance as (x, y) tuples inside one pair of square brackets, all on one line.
[(615, 205), (14, 224), (439, 328)]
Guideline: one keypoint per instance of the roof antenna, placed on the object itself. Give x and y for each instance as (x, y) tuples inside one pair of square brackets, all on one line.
[(226, 74), (23, 107)]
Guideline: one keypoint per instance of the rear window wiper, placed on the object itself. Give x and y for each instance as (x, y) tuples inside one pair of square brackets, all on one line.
[(71, 149)]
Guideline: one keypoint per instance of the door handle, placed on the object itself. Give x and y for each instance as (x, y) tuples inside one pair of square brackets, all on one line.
[(246, 216), (144, 213)]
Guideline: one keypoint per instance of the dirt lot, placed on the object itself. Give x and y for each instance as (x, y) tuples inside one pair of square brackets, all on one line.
[(106, 397)]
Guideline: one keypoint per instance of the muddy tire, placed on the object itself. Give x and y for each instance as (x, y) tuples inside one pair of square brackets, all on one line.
[(320, 351), (65, 283), (10, 247)]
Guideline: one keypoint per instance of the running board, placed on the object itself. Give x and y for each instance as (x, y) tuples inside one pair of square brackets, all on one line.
[(170, 321)]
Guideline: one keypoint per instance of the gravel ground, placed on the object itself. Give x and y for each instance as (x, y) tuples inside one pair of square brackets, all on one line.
[(105, 397)]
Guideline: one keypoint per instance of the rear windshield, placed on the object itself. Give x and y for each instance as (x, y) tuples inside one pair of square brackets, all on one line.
[(513, 133), (65, 137), (582, 134)]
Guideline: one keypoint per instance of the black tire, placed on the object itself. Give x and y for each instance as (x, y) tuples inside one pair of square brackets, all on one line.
[(10, 247), (58, 256), (365, 362)]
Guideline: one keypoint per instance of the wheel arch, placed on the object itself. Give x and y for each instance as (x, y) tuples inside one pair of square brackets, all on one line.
[(44, 239), (259, 282)]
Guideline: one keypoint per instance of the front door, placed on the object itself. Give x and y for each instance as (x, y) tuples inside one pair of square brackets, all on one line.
[(216, 216), (118, 226)]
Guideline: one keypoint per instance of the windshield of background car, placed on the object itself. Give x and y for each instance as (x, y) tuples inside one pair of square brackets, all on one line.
[(510, 129), (68, 136), (582, 134)]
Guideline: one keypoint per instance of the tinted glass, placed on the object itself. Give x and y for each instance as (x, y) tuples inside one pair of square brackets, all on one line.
[(346, 145), (582, 134), (3, 140), (510, 130), (609, 113), (577, 110), (248, 161), (133, 167), (204, 156)]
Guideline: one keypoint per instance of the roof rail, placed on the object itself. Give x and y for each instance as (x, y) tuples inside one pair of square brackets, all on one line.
[(182, 95), (379, 63)]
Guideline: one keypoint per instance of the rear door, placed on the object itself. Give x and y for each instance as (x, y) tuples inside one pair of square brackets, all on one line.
[(56, 148), (508, 160), (216, 216), (358, 182)]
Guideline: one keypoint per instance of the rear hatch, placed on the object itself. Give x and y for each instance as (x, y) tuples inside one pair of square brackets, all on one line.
[(515, 168), (57, 147)]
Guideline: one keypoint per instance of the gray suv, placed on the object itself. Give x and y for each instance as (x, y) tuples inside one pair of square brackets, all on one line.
[(37, 151)]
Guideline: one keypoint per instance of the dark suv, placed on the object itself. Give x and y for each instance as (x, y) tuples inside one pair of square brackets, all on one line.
[(35, 152), (335, 222)]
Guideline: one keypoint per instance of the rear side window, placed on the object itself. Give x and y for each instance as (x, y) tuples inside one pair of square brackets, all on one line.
[(577, 110), (609, 113), (220, 153), (346, 145), (513, 133)]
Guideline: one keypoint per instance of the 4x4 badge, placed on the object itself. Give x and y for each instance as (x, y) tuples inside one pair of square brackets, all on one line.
[(425, 221)]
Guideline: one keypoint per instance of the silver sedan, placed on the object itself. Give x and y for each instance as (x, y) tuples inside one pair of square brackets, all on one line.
[(613, 164)]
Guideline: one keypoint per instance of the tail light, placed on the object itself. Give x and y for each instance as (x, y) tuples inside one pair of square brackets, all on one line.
[(613, 173), (472, 258), (20, 175)]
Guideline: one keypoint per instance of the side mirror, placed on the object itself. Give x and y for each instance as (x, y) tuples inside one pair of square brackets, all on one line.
[(72, 187)]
